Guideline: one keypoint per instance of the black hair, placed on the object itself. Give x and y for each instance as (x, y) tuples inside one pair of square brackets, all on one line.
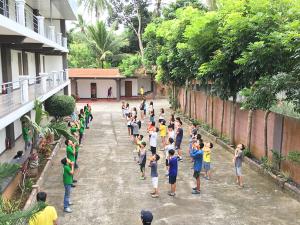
[(178, 118), (41, 196), (157, 129), (66, 142), (195, 132), (134, 109), (144, 143), (171, 140), (127, 104), (163, 122), (180, 122), (171, 152), (194, 124), (157, 157), (162, 110), (199, 136), (81, 111), (151, 103), (172, 117), (80, 116), (142, 136), (201, 145), (69, 123), (243, 146), (153, 123), (18, 155), (64, 161), (211, 145)]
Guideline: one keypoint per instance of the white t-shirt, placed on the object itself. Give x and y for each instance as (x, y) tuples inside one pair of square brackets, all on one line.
[(169, 147), (172, 135), (153, 139), (162, 116)]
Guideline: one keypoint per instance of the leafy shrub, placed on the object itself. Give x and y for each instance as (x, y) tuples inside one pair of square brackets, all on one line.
[(247, 153), (130, 64), (60, 105), (294, 157), (266, 163)]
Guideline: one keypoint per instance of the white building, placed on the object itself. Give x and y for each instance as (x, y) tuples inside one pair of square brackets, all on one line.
[(33, 53), (94, 83)]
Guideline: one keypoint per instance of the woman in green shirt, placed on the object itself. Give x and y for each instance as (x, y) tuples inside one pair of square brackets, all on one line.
[(68, 169)]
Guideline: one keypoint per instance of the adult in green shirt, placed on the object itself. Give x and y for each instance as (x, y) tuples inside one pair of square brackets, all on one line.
[(81, 129), (70, 150), (68, 168), (26, 133), (87, 116)]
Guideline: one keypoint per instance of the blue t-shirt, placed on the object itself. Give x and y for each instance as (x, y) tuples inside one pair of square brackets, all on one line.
[(179, 136), (197, 155), (173, 166)]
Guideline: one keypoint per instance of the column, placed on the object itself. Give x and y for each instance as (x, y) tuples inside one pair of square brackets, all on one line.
[(41, 25), (43, 82), (65, 42), (52, 33), (10, 135), (24, 89), (20, 11), (118, 86), (59, 38)]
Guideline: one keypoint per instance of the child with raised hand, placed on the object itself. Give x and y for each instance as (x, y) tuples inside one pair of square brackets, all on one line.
[(142, 159), (197, 155), (206, 159), (128, 118), (153, 141), (163, 133), (154, 175)]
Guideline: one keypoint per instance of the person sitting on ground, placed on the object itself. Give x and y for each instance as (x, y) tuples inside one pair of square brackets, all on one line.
[(146, 217), (47, 215), (237, 160), (154, 175), (197, 155)]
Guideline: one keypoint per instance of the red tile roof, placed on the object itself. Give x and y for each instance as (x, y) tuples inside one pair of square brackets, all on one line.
[(94, 73)]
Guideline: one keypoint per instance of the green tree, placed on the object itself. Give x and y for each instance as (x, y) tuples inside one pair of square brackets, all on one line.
[(60, 105), (81, 56), (130, 64), (95, 6), (106, 43)]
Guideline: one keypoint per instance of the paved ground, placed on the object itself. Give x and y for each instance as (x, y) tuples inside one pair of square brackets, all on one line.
[(109, 191)]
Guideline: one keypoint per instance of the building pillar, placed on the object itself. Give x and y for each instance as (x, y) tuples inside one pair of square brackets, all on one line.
[(37, 64), (41, 25), (59, 38), (10, 135), (76, 87), (52, 33), (6, 64), (66, 90), (118, 86), (20, 11)]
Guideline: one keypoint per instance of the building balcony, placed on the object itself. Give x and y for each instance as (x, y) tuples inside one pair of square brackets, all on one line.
[(23, 20), (17, 98)]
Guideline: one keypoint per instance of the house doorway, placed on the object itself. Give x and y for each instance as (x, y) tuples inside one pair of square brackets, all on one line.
[(128, 88), (93, 91)]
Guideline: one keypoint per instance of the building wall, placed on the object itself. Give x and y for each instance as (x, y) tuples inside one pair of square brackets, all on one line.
[(1, 79), (53, 63), (17, 128), (84, 87), (144, 82), (2, 140), (134, 87), (15, 67)]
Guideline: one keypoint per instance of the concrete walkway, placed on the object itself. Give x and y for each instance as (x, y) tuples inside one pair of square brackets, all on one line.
[(109, 191)]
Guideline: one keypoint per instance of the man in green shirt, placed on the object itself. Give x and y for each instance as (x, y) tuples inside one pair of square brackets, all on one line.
[(68, 168), (87, 116), (71, 154), (81, 129), (26, 133)]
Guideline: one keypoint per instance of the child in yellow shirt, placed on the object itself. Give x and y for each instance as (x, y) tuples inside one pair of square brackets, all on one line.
[(206, 159), (163, 133)]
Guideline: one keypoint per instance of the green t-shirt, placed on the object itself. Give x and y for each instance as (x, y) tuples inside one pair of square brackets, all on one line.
[(68, 177), (81, 130), (70, 154), (73, 130), (87, 112), (77, 148), (25, 133)]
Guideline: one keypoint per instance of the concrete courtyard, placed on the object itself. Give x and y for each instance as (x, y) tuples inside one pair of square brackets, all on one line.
[(109, 191)]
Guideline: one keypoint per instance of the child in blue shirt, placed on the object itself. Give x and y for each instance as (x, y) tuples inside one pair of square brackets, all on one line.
[(197, 155)]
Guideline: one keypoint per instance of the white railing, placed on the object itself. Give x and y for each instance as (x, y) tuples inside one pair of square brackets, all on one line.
[(21, 13), (28, 88)]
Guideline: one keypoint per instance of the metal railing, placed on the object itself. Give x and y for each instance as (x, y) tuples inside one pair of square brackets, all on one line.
[(27, 88), (31, 21)]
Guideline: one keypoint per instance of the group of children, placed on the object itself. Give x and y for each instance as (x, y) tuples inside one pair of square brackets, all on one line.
[(78, 124), (171, 134)]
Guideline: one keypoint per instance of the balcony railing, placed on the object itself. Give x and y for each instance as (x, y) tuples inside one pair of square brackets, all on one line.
[(27, 88), (21, 13)]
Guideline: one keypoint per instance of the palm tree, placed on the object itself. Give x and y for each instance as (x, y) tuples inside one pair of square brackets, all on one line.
[(96, 6), (105, 42), (80, 25)]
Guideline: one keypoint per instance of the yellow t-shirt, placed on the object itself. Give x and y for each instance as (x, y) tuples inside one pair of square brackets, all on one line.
[(142, 91), (44, 217), (206, 156), (163, 130)]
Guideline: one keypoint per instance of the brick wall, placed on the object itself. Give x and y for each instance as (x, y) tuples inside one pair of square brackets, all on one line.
[(283, 131)]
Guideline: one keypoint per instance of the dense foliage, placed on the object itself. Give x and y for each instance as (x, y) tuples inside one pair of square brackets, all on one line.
[(60, 105), (129, 65)]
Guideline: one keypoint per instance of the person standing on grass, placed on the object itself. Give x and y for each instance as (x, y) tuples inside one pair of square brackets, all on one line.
[(237, 160), (142, 159), (206, 159), (173, 170), (163, 133), (153, 141), (26, 133), (197, 155), (68, 172), (154, 175), (47, 215), (179, 137)]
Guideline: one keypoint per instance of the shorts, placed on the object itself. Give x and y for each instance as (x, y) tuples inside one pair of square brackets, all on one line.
[(238, 171), (154, 182), (172, 179), (206, 166), (167, 162), (160, 120), (177, 146), (142, 167), (196, 174), (153, 150), (129, 126), (135, 135)]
